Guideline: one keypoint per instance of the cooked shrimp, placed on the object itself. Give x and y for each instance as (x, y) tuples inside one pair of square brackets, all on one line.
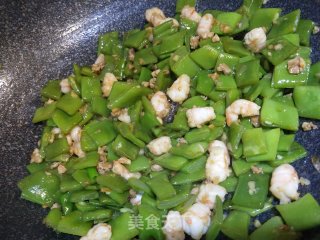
[(160, 104), (256, 39), (241, 107), (208, 192), (98, 64), (121, 114), (101, 231), (160, 145), (196, 220), (285, 183), (172, 228), (205, 25), (136, 199), (155, 16), (179, 90), (121, 170), (36, 156), (65, 85), (75, 147), (197, 116), (217, 166), (108, 81), (190, 13)]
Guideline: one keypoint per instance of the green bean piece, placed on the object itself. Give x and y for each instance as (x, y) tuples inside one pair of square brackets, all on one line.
[(147, 212), (283, 79), (196, 101), (139, 186), (181, 63), (173, 201), (230, 184), (216, 220), (40, 187), (236, 220), (35, 167), (113, 181), (190, 151), (247, 73), (296, 152), (64, 121), (82, 177), (73, 224), (68, 184), (123, 147), (307, 101), (254, 142), (184, 178), (252, 190), (86, 206), (181, 3), (314, 75), (121, 228), (87, 143), (183, 207), (90, 160), (194, 165), (180, 121), (70, 103), (146, 199), (56, 148), (161, 187), (99, 106), (264, 17), (279, 49), (44, 113), (102, 132), (83, 195), (226, 23), (98, 214), (66, 204), (141, 163), (171, 162), (52, 90), (285, 142), (240, 167), (234, 47), (53, 218), (276, 114), (235, 134), (272, 139), (206, 57), (249, 7), (285, 24), (204, 83), (126, 130), (129, 97), (301, 214)]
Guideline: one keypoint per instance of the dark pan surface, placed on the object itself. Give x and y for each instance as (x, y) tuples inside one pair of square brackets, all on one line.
[(40, 40)]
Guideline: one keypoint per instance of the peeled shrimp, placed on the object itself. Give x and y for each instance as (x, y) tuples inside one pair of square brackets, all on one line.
[(160, 145), (101, 231), (197, 116), (179, 90), (217, 166), (241, 107), (208, 192), (160, 104), (172, 228), (108, 81), (190, 13), (285, 183), (196, 220), (256, 39), (121, 170), (205, 25)]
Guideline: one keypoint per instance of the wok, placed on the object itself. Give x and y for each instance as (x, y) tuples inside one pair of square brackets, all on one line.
[(39, 41)]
